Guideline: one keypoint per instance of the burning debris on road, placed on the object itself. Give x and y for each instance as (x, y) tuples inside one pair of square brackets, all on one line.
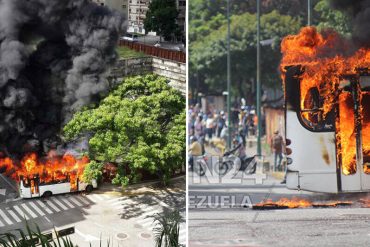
[(54, 59), (285, 203)]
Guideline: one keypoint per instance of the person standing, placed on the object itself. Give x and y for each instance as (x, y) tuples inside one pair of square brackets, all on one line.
[(277, 146), (220, 123), (209, 127)]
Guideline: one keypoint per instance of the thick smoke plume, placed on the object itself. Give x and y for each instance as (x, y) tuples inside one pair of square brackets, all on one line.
[(359, 12), (54, 59)]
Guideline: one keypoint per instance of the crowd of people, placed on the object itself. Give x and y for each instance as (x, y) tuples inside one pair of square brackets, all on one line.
[(212, 127), (214, 124)]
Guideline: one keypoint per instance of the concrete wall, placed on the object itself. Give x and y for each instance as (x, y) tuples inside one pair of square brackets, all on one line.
[(174, 71)]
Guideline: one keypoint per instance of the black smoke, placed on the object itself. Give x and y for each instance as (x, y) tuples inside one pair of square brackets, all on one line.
[(54, 59), (359, 13)]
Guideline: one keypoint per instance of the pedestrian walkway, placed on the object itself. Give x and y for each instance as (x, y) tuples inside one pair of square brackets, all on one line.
[(127, 204), (35, 208)]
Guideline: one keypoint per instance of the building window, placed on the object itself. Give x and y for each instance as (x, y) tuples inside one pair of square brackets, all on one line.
[(124, 6), (182, 3)]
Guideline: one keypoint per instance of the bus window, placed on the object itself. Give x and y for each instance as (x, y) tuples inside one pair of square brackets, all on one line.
[(311, 113)]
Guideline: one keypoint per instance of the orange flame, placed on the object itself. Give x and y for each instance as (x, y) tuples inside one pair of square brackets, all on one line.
[(51, 169), (296, 202), (326, 57)]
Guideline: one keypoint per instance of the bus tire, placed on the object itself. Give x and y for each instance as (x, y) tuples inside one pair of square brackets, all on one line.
[(47, 194), (89, 188)]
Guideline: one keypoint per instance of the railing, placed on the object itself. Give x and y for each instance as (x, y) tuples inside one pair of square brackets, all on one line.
[(178, 56)]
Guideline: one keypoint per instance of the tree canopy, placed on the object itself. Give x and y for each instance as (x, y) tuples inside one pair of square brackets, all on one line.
[(140, 124), (208, 53), (161, 18), (208, 44)]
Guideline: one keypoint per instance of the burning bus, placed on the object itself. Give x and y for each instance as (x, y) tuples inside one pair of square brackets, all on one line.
[(327, 112), (48, 176)]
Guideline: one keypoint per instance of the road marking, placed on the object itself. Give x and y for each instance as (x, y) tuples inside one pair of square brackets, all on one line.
[(5, 217), (75, 201), (97, 197), (20, 212), (87, 237), (59, 203), (53, 206), (14, 215), (106, 196), (44, 207), (37, 209), (65, 200), (160, 202), (3, 192), (1, 224), (84, 200), (46, 218), (33, 215)]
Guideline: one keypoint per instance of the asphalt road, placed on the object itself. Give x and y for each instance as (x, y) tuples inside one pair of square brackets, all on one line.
[(106, 214), (220, 215)]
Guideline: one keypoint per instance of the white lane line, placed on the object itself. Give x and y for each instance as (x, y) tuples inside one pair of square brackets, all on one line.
[(39, 211), (160, 202), (125, 202), (14, 215), (20, 212), (33, 215), (45, 207), (65, 200), (59, 203), (75, 201), (5, 217), (52, 205), (97, 197), (106, 196), (84, 200), (91, 198)]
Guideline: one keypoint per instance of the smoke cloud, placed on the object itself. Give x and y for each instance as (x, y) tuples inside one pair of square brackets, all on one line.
[(359, 12), (55, 56)]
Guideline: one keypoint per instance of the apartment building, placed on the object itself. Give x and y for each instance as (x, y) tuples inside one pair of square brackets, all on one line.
[(120, 5), (136, 14), (135, 10)]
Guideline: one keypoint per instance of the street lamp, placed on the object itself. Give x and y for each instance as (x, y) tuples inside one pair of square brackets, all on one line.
[(258, 104), (228, 78), (309, 14)]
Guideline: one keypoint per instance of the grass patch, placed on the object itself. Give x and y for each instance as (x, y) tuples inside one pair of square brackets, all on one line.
[(125, 52)]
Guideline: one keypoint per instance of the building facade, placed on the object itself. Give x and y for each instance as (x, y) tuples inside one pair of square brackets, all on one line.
[(136, 14), (120, 5), (135, 10)]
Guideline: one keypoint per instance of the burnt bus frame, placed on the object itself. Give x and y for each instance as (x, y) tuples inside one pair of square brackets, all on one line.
[(293, 89), (293, 84)]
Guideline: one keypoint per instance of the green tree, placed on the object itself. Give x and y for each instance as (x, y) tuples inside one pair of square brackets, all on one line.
[(161, 18), (140, 124), (208, 54), (333, 19)]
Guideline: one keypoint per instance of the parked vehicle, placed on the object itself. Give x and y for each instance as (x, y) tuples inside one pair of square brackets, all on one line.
[(198, 165), (130, 37), (230, 160)]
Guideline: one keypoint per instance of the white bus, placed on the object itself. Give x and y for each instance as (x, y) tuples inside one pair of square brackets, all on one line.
[(31, 187), (330, 154)]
